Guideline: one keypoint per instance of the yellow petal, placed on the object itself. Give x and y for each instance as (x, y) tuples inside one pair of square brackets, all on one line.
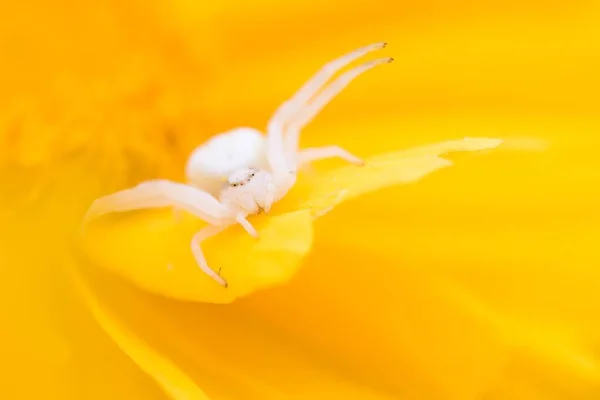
[(450, 61), (173, 381), (226, 354), (457, 228), (506, 232), (398, 329), (329, 189), (549, 359), (48, 336), (152, 249)]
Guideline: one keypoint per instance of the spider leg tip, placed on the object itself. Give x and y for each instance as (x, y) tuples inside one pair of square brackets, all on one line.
[(390, 60), (384, 45)]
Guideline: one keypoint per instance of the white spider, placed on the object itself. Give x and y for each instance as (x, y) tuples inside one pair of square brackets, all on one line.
[(257, 170)]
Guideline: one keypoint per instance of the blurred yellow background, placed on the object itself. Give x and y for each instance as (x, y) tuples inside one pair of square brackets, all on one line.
[(486, 272)]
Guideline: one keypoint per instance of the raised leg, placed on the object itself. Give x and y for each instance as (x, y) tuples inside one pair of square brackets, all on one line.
[(278, 158), (198, 238), (320, 153), (307, 114), (316, 82), (158, 194)]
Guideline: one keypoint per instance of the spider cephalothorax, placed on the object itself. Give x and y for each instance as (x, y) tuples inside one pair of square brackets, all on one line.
[(249, 189), (243, 172)]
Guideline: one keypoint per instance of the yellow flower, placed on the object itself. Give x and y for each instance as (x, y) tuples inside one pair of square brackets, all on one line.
[(477, 282), (154, 251)]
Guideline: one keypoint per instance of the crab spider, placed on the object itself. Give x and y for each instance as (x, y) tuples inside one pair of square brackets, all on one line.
[(257, 170)]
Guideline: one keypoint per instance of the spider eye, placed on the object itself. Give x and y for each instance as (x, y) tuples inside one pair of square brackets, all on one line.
[(252, 174)]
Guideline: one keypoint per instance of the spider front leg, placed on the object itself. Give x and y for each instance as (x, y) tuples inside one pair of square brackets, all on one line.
[(282, 156), (310, 111), (288, 109)]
